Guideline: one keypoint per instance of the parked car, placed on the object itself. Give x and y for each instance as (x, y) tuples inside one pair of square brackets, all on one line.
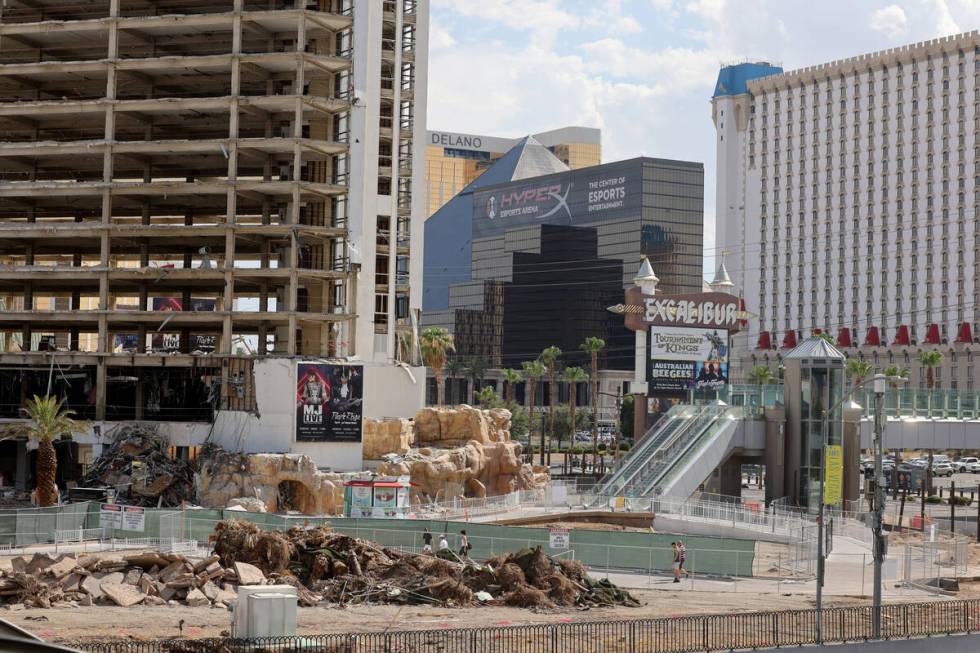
[(942, 469), (975, 467), (965, 464)]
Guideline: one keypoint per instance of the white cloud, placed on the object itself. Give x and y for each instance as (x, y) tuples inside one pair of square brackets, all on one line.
[(890, 21), (945, 23), (439, 37)]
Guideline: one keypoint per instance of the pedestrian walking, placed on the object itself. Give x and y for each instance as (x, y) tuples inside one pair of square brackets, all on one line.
[(677, 561), (464, 544), (443, 542), (683, 549), (426, 541)]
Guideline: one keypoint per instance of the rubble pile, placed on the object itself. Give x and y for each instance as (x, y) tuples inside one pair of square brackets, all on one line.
[(141, 578), (155, 479), (328, 566)]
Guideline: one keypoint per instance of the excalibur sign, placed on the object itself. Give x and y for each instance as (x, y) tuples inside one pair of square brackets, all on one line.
[(710, 310)]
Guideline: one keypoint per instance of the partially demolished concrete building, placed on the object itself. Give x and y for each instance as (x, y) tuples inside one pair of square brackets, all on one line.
[(192, 189)]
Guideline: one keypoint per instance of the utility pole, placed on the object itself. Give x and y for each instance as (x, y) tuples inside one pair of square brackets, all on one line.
[(880, 382)]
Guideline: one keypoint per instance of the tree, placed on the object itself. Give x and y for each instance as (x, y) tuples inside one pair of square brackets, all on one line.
[(626, 417), (930, 360), (487, 397), (760, 375), (858, 370), (511, 377), (550, 357), (436, 344), (519, 424), (593, 346), (563, 423), (533, 371), (48, 419), (454, 369), (574, 376), (895, 370), (476, 370), (826, 337)]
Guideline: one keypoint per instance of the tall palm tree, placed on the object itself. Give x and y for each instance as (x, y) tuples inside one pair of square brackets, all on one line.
[(895, 370), (436, 344), (533, 371), (487, 397), (858, 370), (593, 346), (49, 419), (550, 357), (454, 369), (930, 360), (512, 377), (574, 376), (476, 370), (760, 375)]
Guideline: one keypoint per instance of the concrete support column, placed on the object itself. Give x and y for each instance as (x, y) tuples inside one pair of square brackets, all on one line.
[(775, 454), (852, 454), (20, 471)]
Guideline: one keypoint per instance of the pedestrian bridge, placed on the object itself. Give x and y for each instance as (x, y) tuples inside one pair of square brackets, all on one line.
[(692, 440)]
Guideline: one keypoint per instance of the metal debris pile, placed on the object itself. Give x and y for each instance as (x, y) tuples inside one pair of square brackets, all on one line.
[(137, 464), (143, 578), (329, 567)]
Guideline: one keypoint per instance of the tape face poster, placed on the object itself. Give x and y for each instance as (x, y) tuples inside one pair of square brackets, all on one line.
[(329, 402)]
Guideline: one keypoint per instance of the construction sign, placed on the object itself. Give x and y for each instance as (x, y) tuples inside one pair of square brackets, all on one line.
[(558, 538), (833, 480)]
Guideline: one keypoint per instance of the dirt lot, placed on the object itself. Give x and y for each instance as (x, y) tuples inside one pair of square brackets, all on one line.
[(164, 621)]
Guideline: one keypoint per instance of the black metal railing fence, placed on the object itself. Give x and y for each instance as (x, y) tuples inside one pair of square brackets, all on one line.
[(683, 634)]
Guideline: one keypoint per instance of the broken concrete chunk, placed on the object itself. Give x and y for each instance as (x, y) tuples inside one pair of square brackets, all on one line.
[(114, 577), (175, 569), (92, 586), (147, 560), (168, 593), (154, 600), (38, 563), (133, 576), (146, 585), (61, 568), (249, 574), (19, 564), (87, 562), (196, 598), (201, 565), (71, 582), (210, 590), (122, 594)]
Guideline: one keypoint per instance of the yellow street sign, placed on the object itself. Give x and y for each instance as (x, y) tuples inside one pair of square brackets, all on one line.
[(833, 480)]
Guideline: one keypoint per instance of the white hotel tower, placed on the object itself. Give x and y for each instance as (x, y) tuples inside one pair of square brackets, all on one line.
[(846, 201)]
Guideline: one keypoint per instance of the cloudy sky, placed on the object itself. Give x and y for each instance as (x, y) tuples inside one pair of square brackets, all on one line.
[(643, 70)]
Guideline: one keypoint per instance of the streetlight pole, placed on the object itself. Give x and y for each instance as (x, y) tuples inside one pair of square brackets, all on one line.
[(880, 381), (879, 503)]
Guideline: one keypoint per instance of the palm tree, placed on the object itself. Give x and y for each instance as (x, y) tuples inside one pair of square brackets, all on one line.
[(593, 346), (511, 377), (49, 419), (533, 371), (826, 337), (760, 375), (476, 370), (487, 397), (574, 376), (858, 370), (454, 370), (436, 343), (550, 357), (895, 370), (930, 360)]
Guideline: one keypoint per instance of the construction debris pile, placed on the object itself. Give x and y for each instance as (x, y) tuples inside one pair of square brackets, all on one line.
[(142, 578), (335, 568), (136, 463)]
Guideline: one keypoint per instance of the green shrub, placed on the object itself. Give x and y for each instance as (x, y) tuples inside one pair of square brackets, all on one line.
[(959, 501), (932, 498)]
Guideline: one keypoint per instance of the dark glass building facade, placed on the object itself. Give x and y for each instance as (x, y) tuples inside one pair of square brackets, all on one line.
[(547, 256)]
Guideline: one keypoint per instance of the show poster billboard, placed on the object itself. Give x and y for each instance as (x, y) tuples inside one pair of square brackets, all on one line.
[(329, 402), (569, 198), (685, 358), (686, 343)]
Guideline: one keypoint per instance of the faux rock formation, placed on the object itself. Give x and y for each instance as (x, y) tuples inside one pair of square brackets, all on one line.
[(282, 482), (450, 427), (387, 436), (464, 451)]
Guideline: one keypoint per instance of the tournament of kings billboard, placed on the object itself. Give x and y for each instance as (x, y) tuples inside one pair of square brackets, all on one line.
[(682, 358), (329, 402), (570, 198)]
